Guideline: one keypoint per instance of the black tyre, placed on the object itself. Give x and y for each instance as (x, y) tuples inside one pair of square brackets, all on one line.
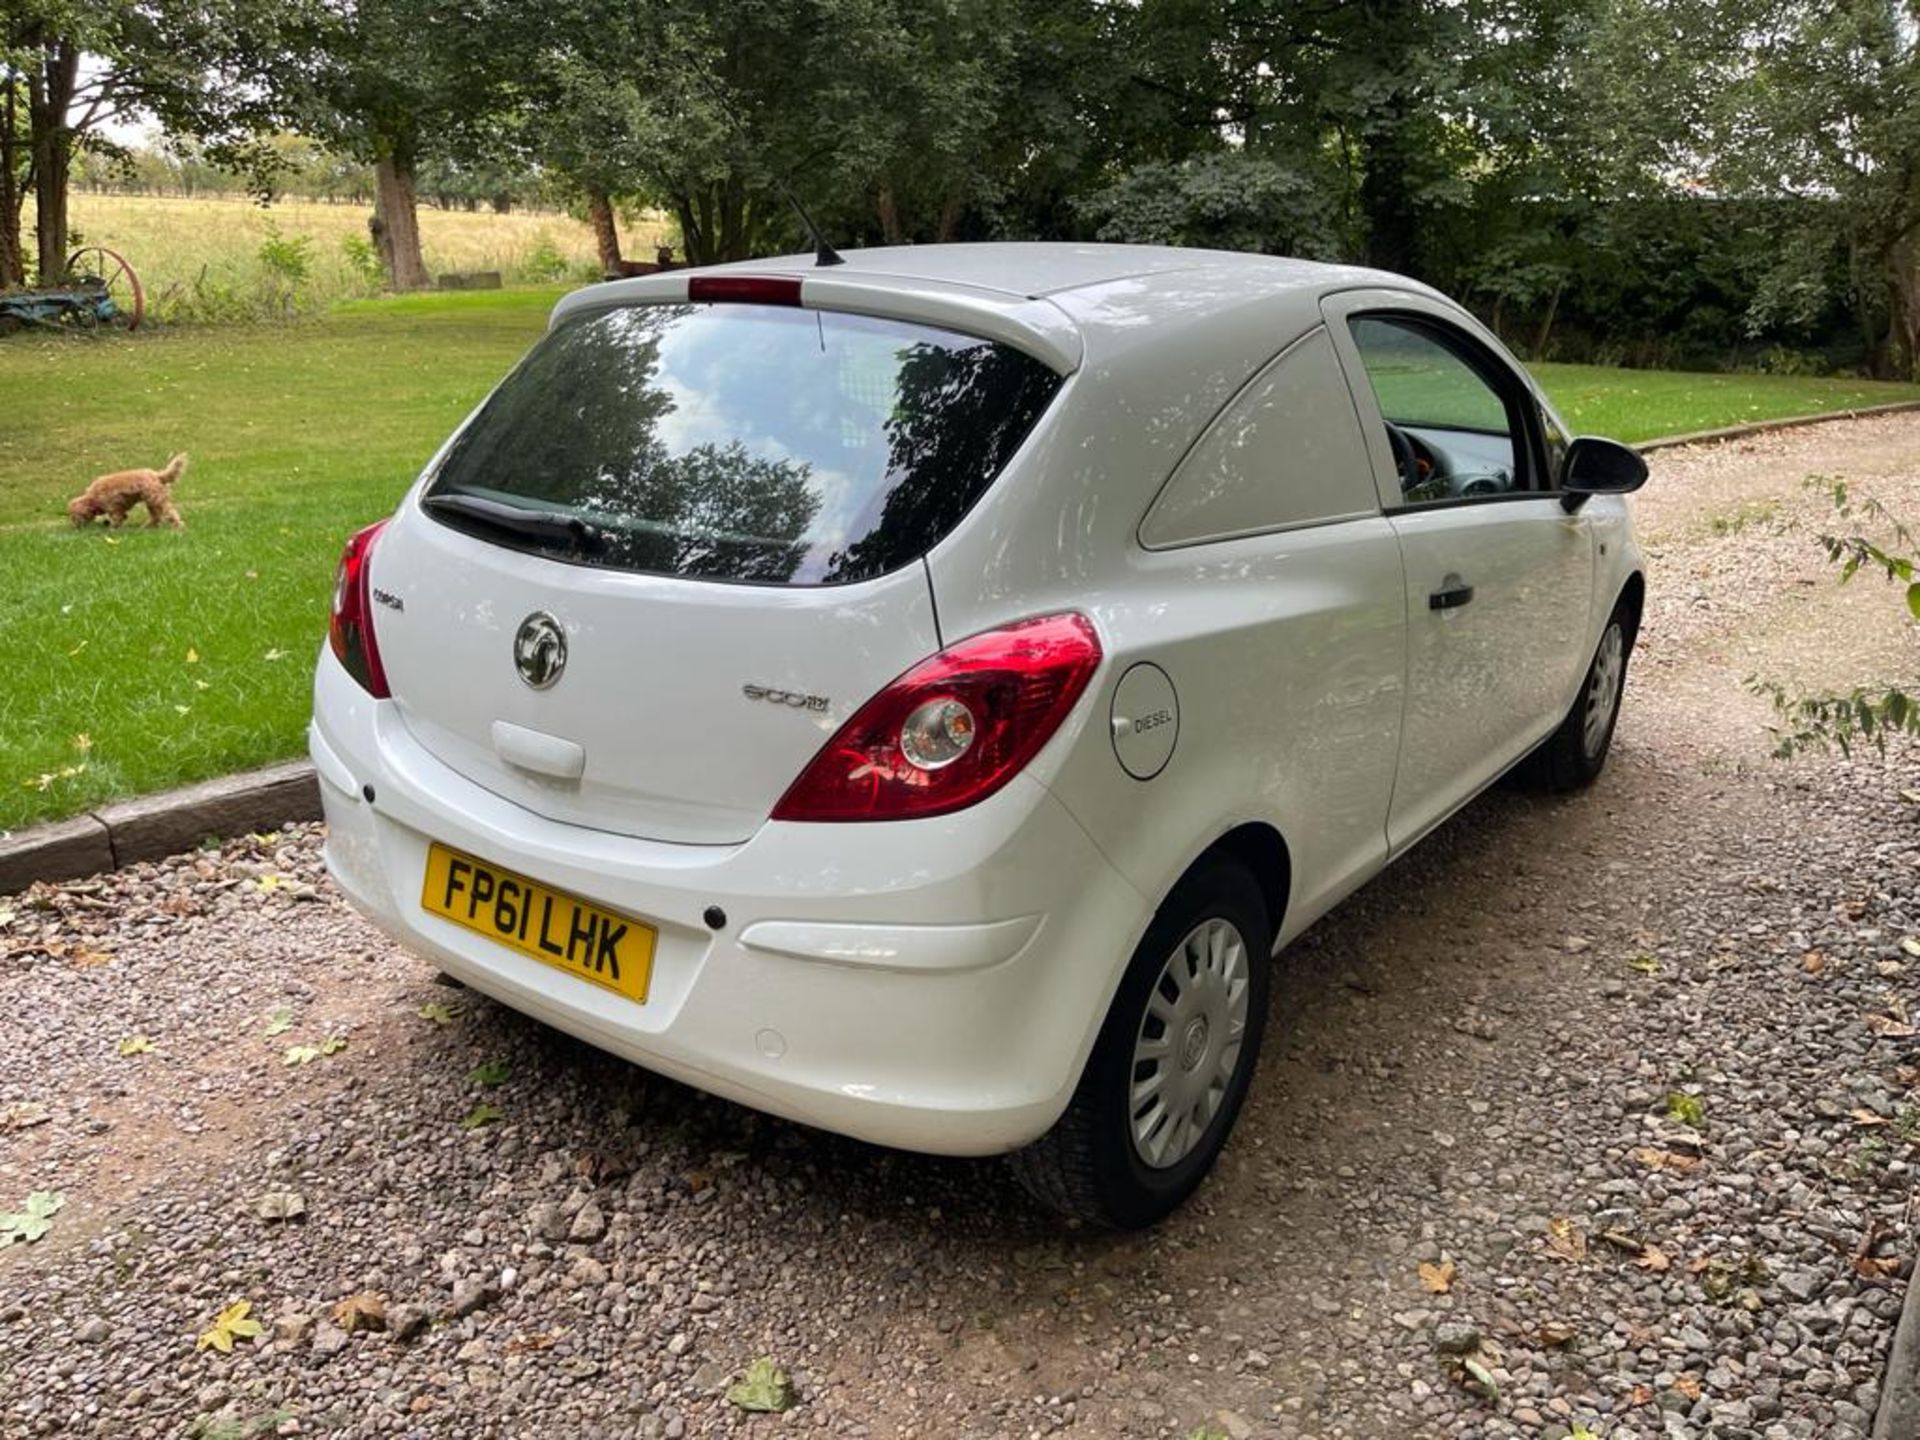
[(1575, 754), (1170, 1069)]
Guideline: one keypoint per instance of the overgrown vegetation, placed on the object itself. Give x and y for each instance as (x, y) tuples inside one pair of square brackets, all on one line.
[(1867, 536)]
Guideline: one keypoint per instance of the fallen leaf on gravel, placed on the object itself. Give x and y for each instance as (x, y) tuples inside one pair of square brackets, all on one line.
[(436, 1012), (1865, 1118), (333, 1044), (1556, 1332), (490, 1073), (1687, 1109), (1641, 1336), (1436, 1279), (229, 1325), (696, 1181), (1621, 1240), (1565, 1241), (362, 1310), (85, 957), (1640, 1395), (1645, 964), (1814, 961), (1888, 1027), (523, 1344), (482, 1115), (1580, 1432), (23, 1115), (1869, 1266), (267, 883), (763, 1389), (136, 1045), (28, 1225), (280, 1205), (279, 1022), (1688, 1385), (1666, 1160), (600, 1167), (1654, 1259), (300, 1054), (1482, 1380)]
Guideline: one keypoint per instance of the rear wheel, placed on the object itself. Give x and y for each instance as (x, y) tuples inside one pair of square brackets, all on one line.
[(1172, 1063), (1575, 754)]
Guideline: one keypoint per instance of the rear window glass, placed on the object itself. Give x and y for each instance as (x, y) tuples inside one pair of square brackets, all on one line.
[(755, 443)]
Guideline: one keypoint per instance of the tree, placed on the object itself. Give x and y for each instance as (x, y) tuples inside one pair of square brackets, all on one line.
[(180, 60), (392, 83), (1827, 108)]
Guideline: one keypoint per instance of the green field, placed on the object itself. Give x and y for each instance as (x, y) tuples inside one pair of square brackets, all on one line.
[(144, 659)]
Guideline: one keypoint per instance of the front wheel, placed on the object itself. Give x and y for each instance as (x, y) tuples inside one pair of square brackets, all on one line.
[(1574, 755), (1172, 1063)]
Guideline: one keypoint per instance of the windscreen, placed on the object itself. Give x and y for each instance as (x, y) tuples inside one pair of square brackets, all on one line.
[(766, 444)]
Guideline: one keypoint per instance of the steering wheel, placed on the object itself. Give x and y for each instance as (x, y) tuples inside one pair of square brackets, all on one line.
[(1404, 457)]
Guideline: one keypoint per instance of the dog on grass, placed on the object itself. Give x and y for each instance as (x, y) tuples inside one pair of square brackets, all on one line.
[(114, 495)]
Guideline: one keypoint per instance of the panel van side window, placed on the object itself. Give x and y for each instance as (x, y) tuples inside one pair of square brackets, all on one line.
[(1286, 451)]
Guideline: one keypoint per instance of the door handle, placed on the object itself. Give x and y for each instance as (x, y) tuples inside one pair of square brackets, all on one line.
[(1452, 597)]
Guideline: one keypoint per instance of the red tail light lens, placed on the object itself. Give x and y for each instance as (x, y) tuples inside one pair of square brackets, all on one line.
[(953, 729), (350, 625), (745, 289)]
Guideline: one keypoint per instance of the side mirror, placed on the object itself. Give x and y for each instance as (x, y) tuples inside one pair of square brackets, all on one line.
[(1595, 466)]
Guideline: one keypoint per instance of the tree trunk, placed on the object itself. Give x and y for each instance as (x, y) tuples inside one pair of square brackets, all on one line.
[(13, 261), (1903, 309), (396, 223), (49, 96), (889, 208), (606, 232), (1546, 325)]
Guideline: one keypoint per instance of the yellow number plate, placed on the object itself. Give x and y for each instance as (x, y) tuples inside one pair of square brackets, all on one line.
[(550, 926)]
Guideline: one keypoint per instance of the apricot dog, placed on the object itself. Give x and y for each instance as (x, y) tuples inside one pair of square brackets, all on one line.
[(114, 495)]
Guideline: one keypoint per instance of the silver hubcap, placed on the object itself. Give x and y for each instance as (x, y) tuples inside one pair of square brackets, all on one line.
[(1189, 1043), (1603, 688)]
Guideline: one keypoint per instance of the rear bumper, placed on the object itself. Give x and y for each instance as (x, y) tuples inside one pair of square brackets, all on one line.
[(932, 984)]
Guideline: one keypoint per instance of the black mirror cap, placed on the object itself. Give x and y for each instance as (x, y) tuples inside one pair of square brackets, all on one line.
[(1598, 466)]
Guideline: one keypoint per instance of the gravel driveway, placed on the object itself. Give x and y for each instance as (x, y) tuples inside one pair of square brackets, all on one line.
[(1631, 1075)]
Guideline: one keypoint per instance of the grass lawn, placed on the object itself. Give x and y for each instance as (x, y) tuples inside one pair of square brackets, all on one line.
[(135, 661), (145, 659), (1636, 405)]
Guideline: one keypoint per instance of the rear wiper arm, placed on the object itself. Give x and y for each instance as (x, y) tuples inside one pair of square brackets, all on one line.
[(568, 530)]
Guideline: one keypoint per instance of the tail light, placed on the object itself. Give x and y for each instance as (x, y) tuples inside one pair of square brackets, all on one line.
[(953, 729), (746, 289), (350, 624)]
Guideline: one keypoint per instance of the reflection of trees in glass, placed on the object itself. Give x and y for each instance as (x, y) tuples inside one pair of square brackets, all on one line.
[(578, 428), (722, 510), (958, 415)]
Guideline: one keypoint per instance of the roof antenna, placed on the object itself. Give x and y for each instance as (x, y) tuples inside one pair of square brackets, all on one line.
[(823, 253)]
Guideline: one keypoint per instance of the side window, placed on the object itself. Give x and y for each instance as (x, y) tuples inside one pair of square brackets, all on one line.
[(1287, 451), (1452, 421)]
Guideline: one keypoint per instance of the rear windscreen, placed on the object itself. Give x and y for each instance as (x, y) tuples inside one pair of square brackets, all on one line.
[(758, 443)]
